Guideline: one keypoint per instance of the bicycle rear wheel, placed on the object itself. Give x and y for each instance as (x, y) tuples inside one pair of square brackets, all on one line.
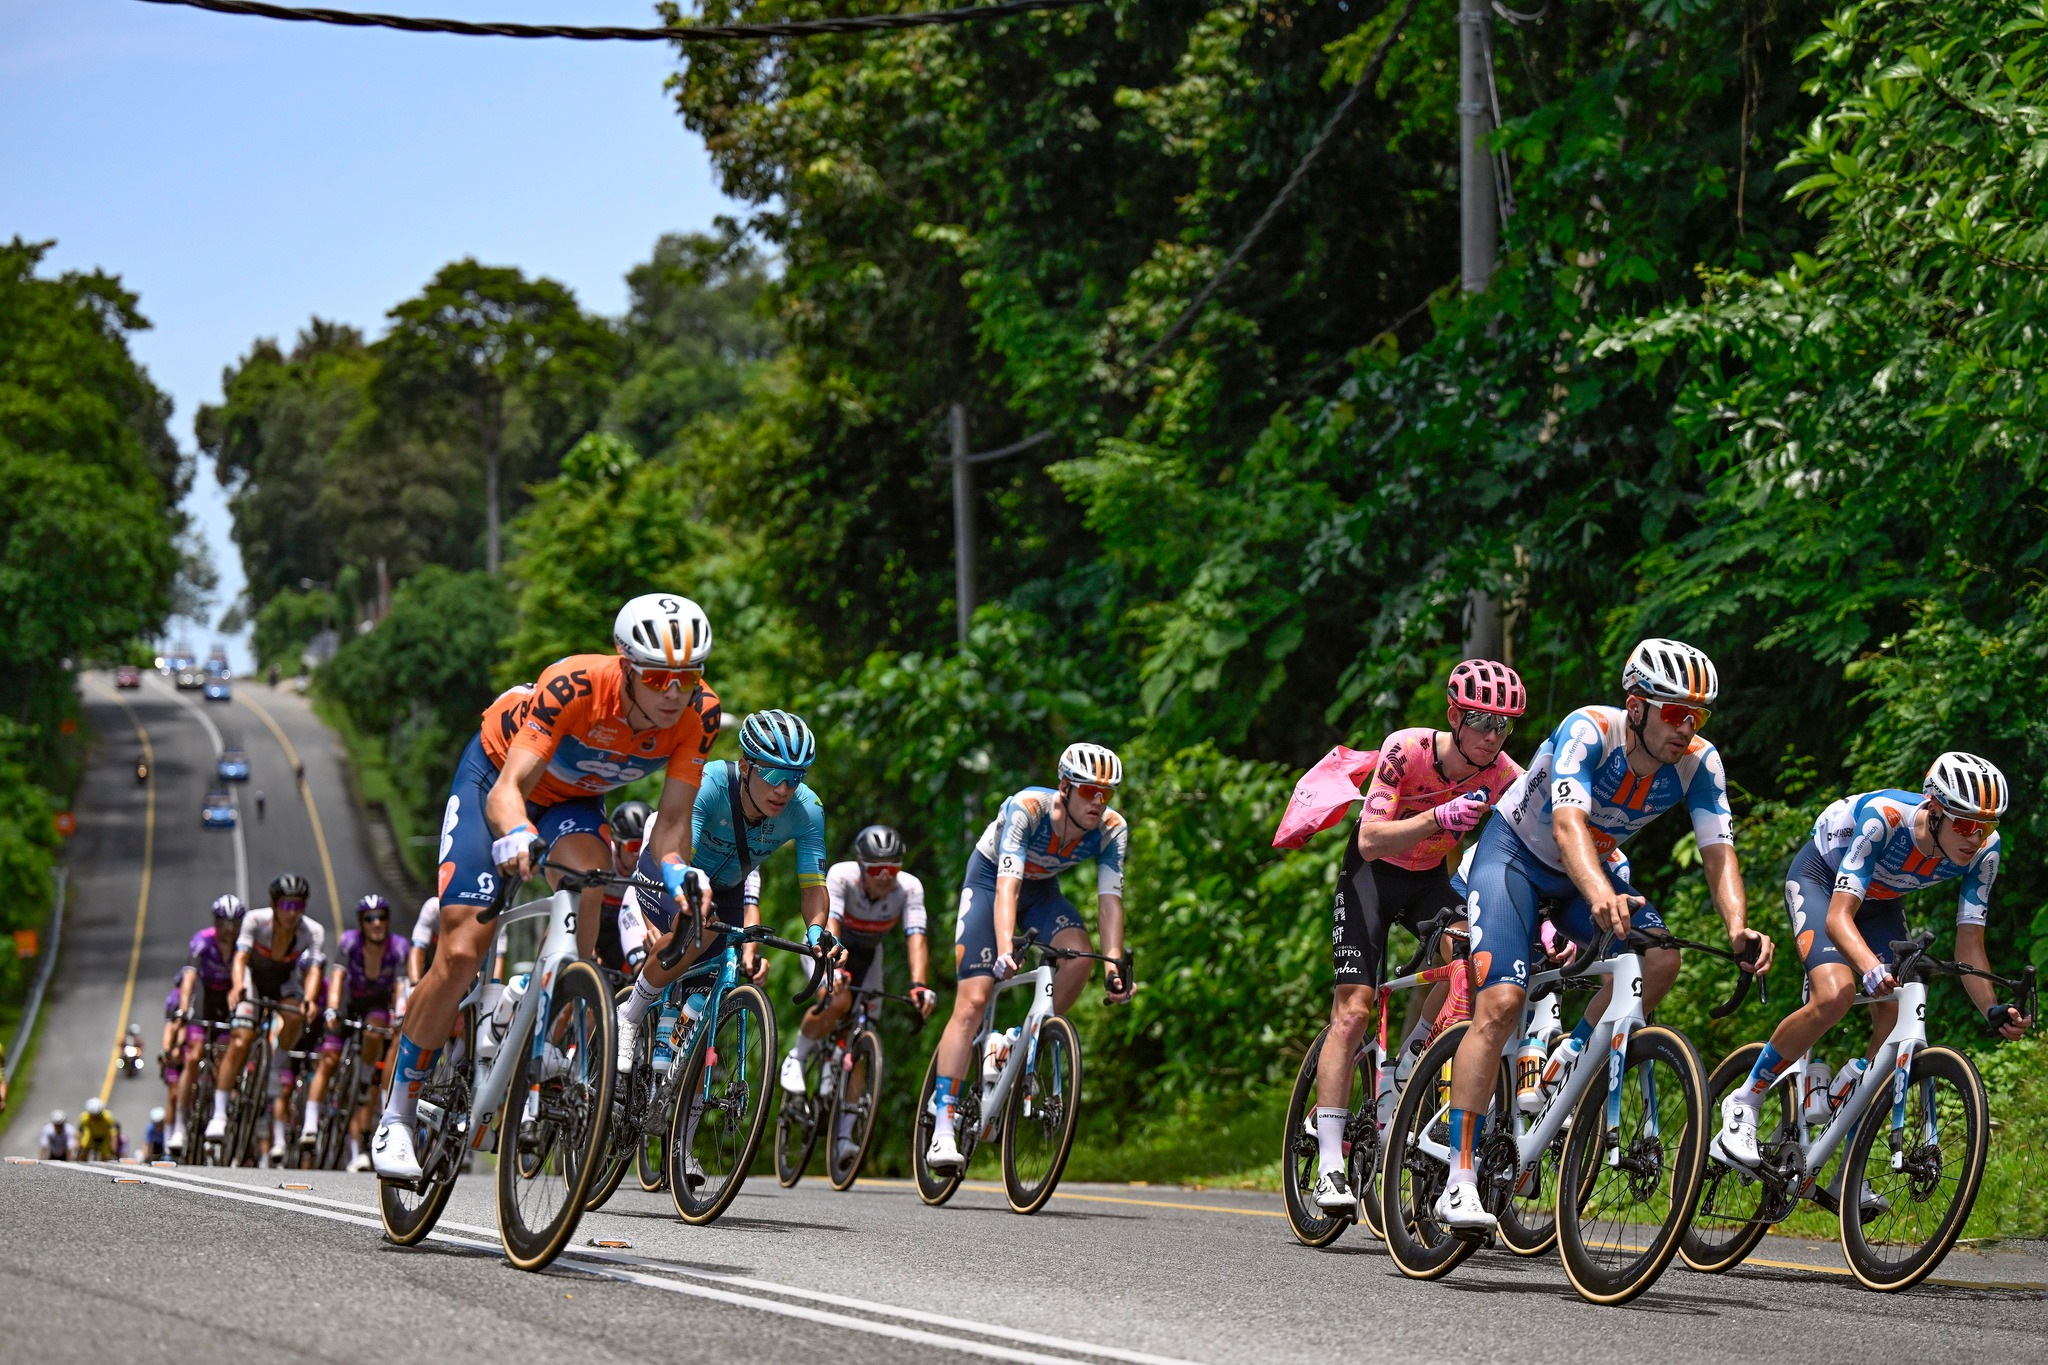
[(936, 1187), (1043, 1110), (630, 1095), (722, 1109), (1300, 1157), (1898, 1222), (799, 1119), (1412, 1178), (859, 1094), (1528, 1215), (551, 1136), (1624, 1226), (410, 1211), (1736, 1209)]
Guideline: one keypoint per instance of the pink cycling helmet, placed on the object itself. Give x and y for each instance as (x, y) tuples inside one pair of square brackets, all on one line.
[(1483, 685)]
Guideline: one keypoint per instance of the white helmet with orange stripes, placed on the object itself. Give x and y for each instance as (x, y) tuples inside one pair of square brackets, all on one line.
[(1968, 786), (1670, 670), (662, 630), (1094, 763)]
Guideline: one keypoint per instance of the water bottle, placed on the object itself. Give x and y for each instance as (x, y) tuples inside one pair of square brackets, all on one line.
[(664, 1032), (1386, 1093), (1562, 1059), (508, 1003), (1529, 1059), (1813, 1102), (486, 1020), (693, 1010), (1846, 1080), (1404, 1064)]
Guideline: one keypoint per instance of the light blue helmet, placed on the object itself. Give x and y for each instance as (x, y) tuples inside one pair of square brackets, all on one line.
[(777, 739)]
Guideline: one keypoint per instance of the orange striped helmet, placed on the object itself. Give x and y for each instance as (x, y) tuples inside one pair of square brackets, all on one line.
[(1670, 670)]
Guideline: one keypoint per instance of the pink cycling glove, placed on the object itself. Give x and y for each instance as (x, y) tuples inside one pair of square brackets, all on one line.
[(1462, 814)]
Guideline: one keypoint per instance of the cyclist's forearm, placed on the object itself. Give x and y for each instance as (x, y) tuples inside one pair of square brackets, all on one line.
[(1574, 835), (1385, 838), (1109, 913), (505, 807), (1970, 952), (1005, 913), (1847, 937), (816, 905), (920, 954), (672, 822), (1724, 881)]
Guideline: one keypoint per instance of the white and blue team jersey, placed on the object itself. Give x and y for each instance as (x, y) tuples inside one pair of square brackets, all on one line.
[(1868, 840), (1584, 766), (1021, 844)]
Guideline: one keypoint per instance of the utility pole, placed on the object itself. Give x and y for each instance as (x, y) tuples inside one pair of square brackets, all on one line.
[(1479, 240), (963, 525)]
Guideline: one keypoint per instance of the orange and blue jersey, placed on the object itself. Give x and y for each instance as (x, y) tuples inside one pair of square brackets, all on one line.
[(575, 718), (1868, 840), (1584, 766), (1020, 843)]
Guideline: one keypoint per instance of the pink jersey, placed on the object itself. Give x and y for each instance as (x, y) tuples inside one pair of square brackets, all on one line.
[(1407, 782)]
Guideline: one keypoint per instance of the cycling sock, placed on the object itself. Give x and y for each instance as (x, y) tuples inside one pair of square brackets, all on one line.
[(1465, 1130), (1769, 1065), (355, 1147), (277, 1138), (1583, 1031), (410, 1069), (805, 1046), (942, 1096), (1330, 1139), (312, 1116), (220, 1104), (640, 1001)]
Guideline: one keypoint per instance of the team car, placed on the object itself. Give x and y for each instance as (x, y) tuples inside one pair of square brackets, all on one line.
[(233, 765), (217, 689), (219, 810)]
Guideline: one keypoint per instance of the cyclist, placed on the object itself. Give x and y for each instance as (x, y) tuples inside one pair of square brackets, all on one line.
[(537, 773), (97, 1132), (426, 927), (202, 997), (869, 895), (1598, 780), (279, 955), (367, 984), (761, 797), (55, 1141), (153, 1136), (627, 832), (1012, 884), (1430, 787), (1844, 891)]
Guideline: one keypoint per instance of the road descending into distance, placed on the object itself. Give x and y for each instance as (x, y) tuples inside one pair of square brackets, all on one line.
[(189, 1264)]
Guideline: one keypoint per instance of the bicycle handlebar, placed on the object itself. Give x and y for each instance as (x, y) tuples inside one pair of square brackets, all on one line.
[(1430, 933), (1913, 963), (1121, 964)]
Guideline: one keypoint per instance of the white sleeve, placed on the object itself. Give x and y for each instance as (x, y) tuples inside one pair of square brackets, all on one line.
[(751, 894), (913, 904), (245, 938)]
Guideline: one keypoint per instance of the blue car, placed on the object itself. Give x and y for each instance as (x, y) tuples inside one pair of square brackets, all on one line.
[(233, 765), (219, 811), (217, 689)]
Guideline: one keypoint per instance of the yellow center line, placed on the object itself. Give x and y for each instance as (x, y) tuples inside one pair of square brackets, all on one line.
[(142, 901), (312, 810), (1115, 1199)]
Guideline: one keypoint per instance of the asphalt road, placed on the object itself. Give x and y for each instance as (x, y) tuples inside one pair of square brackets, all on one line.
[(187, 866), (195, 1262)]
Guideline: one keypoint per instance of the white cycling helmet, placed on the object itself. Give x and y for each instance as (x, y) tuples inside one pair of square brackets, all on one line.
[(662, 630), (1091, 763), (1968, 786), (156, 1115), (94, 1106), (57, 1117), (1670, 670)]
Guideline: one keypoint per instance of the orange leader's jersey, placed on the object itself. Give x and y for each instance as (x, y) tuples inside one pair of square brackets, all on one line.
[(575, 717)]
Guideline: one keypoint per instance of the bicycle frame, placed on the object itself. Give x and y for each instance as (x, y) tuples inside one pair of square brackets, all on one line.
[(995, 1090), (557, 947), (722, 969)]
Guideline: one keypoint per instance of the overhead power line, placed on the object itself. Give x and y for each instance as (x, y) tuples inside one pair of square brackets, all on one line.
[(681, 33)]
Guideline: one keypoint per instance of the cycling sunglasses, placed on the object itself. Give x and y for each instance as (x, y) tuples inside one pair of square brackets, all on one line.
[(881, 869), (376, 917), (1677, 713), (1488, 722), (629, 849), (291, 903), (1971, 829), (662, 679), (781, 777), (1093, 791)]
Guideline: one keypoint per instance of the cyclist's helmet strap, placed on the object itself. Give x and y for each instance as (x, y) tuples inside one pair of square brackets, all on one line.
[(1484, 685), (1968, 786), (777, 739), (1670, 670), (1094, 763), (629, 821), (662, 630), (289, 884), (878, 844)]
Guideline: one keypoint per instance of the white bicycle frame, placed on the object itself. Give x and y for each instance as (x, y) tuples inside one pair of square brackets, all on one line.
[(1624, 1015), (996, 1089), (558, 946)]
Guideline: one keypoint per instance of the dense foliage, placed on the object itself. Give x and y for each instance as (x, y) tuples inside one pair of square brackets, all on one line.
[(1757, 369)]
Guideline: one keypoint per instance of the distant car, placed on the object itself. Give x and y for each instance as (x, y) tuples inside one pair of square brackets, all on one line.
[(233, 765), (190, 679), (127, 675), (219, 810), (217, 689)]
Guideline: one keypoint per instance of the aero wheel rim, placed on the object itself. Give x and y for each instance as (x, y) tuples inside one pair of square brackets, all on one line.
[(1041, 1115), (549, 1125), (1906, 1208), (1629, 1183), (722, 1105)]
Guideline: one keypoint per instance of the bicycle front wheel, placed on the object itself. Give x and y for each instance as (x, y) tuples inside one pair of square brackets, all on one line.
[(1043, 1110), (1905, 1198), (798, 1121), (723, 1108), (1412, 1176), (857, 1097), (410, 1211), (250, 1089), (1736, 1209), (551, 1134), (1635, 1184)]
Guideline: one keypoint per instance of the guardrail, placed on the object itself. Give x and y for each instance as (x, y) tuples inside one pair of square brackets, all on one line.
[(27, 1026)]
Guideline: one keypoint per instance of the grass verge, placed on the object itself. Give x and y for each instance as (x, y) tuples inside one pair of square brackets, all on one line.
[(370, 774)]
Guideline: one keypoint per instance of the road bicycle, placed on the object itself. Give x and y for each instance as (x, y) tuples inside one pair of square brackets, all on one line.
[(538, 1095), (842, 1076), (1625, 1139), (355, 1083), (695, 1122), (1380, 1073), (1025, 1090), (248, 1102), (1914, 1189), (204, 1073)]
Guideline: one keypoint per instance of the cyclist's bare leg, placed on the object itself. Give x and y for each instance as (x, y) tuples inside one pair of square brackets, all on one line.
[(822, 1018), (956, 1044), (1350, 1016), (1071, 978), (1495, 1015), (1831, 991), (289, 1026), (430, 1018)]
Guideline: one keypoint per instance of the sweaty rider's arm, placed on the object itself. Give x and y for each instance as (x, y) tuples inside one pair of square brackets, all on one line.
[(920, 955), (1005, 914), (1109, 914), (1842, 908), (314, 980), (334, 991), (1385, 838), (1574, 835), (187, 984), (1731, 899), (1970, 949), (238, 978), (816, 905), (672, 823), (505, 807)]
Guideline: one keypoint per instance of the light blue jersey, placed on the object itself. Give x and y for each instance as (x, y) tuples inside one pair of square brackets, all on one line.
[(1868, 840), (714, 848)]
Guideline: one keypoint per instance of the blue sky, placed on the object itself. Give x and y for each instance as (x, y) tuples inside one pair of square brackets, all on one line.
[(243, 174)]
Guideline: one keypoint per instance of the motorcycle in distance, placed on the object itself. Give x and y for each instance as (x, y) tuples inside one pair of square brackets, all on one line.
[(131, 1053)]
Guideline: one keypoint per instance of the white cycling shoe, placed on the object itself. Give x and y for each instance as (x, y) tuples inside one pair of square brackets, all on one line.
[(629, 1040), (391, 1152), (944, 1153), (359, 1162), (554, 1063), (1333, 1193), (1735, 1144), (217, 1128), (174, 1145), (1875, 1205), (1459, 1208), (793, 1073)]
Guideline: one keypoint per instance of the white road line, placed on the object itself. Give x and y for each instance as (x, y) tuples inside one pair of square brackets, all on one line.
[(213, 733), (613, 1266)]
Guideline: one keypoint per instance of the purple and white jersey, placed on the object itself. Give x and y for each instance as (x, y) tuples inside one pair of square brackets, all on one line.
[(206, 956), (354, 961)]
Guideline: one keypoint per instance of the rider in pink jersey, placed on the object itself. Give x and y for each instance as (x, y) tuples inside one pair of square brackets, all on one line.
[(1430, 788)]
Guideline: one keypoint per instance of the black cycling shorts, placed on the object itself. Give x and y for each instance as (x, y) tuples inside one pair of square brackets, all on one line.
[(1372, 896)]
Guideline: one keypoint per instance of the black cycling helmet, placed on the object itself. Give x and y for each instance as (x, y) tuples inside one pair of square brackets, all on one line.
[(289, 885), (629, 821), (370, 904), (878, 844)]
